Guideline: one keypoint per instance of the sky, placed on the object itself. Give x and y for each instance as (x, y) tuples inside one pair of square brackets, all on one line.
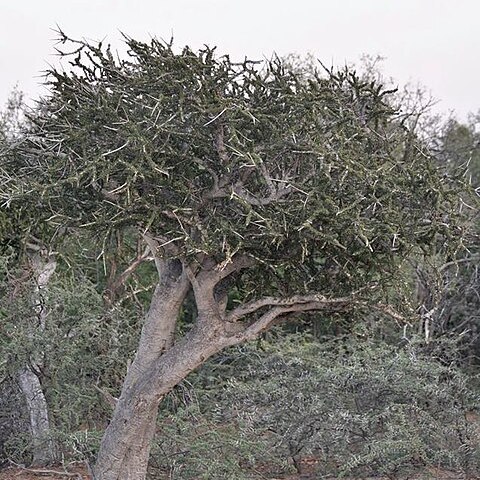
[(435, 43)]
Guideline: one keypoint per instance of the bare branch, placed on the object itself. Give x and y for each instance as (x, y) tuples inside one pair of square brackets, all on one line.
[(296, 301), (268, 179), (388, 310), (239, 191), (117, 282), (220, 145), (153, 246), (275, 195), (267, 319), (299, 304), (107, 396)]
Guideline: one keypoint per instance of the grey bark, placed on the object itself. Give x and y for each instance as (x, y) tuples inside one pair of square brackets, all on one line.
[(43, 447), (160, 365), (126, 444), (125, 447)]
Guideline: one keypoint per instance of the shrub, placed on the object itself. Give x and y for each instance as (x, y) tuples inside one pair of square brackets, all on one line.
[(351, 406)]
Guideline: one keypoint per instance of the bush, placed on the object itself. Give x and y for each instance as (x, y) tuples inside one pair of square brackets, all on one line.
[(193, 444), (345, 407), (82, 349)]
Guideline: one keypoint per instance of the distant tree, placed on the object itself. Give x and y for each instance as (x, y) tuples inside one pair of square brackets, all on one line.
[(11, 117), (449, 287), (459, 146), (31, 269), (265, 195)]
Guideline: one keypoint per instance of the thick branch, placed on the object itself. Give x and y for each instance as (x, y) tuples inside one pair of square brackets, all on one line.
[(267, 319), (297, 301), (209, 276), (159, 328), (233, 264)]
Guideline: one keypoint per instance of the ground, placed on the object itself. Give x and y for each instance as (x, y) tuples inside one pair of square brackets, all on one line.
[(75, 472), (79, 472)]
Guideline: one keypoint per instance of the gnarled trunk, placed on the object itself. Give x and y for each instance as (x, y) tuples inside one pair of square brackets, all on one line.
[(126, 444), (158, 366)]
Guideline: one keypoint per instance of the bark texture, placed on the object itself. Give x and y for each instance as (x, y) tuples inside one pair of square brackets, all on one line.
[(43, 266), (43, 447), (160, 364), (126, 443)]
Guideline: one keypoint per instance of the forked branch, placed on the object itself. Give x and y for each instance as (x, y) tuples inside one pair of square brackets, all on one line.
[(210, 275), (267, 319)]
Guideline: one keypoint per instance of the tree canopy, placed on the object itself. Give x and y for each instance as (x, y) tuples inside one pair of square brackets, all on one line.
[(317, 179)]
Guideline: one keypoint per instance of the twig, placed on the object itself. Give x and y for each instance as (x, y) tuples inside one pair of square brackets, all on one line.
[(42, 471)]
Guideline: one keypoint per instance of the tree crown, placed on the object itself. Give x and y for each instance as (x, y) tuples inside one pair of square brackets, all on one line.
[(316, 177)]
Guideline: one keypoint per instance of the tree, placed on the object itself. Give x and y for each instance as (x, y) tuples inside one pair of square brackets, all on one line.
[(449, 290), (266, 195), (34, 267), (459, 146)]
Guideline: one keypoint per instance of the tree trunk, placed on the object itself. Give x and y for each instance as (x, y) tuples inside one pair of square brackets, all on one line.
[(126, 444), (125, 447), (43, 447), (158, 367)]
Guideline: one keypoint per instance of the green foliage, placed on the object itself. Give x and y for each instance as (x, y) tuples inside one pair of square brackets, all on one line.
[(459, 147), (450, 285), (357, 407), (316, 178), (11, 122), (319, 179), (192, 444), (82, 347)]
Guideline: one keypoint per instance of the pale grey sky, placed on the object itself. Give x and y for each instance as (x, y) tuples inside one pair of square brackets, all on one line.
[(434, 42)]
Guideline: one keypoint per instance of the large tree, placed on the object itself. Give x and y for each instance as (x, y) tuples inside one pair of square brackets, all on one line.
[(266, 194)]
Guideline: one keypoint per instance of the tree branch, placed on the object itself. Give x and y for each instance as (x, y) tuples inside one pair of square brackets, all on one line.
[(116, 283), (220, 145), (230, 265), (296, 301), (153, 246), (266, 320), (209, 276)]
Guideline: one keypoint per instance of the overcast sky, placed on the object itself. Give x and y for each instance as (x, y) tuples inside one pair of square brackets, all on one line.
[(434, 42)]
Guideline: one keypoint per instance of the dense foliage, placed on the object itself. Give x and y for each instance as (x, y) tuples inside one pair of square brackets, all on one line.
[(318, 179), (350, 406)]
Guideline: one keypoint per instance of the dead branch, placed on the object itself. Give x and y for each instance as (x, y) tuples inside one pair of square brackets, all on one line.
[(45, 471), (107, 396)]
